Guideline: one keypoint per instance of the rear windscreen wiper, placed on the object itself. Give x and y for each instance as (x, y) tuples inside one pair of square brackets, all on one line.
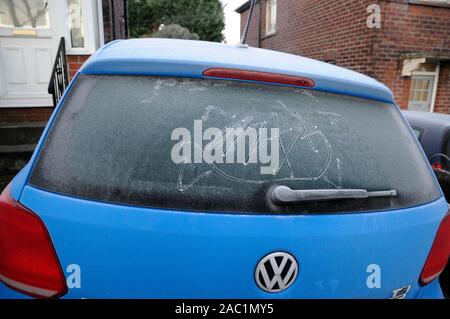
[(285, 195)]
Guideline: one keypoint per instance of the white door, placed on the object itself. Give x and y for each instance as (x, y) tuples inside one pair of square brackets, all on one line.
[(28, 45)]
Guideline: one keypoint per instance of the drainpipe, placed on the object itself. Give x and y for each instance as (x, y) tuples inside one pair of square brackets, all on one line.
[(260, 23)]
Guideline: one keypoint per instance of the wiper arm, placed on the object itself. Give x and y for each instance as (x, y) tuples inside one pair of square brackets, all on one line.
[(285, 195)]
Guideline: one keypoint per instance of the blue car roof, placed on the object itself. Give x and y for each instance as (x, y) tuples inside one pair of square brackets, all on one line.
[(186, 58)]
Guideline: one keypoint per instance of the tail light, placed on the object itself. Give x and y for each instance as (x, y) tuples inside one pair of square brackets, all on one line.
[(439, 254), (256, 76), (437, 165), (28, 261)]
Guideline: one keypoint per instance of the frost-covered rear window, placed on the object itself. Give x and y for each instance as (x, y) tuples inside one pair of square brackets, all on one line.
[(222, 146)]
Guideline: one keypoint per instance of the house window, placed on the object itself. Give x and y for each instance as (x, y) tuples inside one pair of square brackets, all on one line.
[(83, 28), (421, 92), (423, 88), (271, 16), (75, 22), (24, 14)]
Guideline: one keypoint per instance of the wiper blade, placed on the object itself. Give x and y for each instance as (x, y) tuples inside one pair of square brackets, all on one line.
[(285, 195)]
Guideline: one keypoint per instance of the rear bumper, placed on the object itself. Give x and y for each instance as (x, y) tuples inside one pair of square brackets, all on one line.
[(431, 291)]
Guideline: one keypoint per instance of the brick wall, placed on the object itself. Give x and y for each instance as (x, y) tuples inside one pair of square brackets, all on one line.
[(39, 114), (25, 115), (319, 29), (443, 93), (411, 28), (253, 33), (337, 30), (75, 62)]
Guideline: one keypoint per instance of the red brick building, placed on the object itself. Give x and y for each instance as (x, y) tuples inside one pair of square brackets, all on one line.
[(30, 33), (402, 43)]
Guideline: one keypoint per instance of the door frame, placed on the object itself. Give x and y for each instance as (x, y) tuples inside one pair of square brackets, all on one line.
[(52, 34), (58, 19)]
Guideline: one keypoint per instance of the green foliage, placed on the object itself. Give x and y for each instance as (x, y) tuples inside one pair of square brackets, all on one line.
[(141, 18), (175, 31), (202, 17)]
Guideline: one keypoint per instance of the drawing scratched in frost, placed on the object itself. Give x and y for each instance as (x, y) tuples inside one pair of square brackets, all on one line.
[(296, 135)]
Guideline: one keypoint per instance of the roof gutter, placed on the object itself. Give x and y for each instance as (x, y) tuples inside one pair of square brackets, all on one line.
[(244, 6)]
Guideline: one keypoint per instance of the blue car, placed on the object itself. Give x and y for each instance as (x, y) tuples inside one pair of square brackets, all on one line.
[(187, 169)]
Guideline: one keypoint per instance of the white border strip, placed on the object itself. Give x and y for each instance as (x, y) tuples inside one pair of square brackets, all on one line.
[(27, 288)]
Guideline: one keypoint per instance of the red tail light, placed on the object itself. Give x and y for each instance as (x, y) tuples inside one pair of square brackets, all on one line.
[(259, 77), (28, 261), (438, 257), (437, 165)]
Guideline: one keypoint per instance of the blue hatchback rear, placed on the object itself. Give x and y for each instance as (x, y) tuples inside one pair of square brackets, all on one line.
[(187, 169)]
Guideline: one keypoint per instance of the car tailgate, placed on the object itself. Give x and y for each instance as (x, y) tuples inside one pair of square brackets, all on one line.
[(133, 252)]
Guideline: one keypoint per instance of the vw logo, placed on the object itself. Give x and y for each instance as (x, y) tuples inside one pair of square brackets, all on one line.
[(276, 272)]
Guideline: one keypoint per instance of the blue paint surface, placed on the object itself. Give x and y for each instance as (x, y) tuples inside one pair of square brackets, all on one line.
[(134, 252)]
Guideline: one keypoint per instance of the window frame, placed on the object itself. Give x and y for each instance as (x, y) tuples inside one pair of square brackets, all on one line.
[(91, 21), (420, 130), (271, 9), (435, 83)]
